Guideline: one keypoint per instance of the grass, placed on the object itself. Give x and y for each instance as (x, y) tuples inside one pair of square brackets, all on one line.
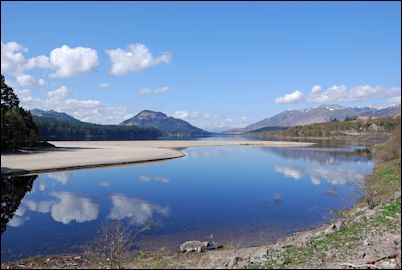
[(344, 240)]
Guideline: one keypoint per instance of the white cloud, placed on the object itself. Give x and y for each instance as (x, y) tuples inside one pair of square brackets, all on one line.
[(181, 114), (210, 121), (40, 61), (73, 207), (295, 97), (145, 91), (136, 58), (14, 62), (12, 58), (136, 210), (316, 89), (104, 85), (339, 93), (73, 61), (161, 89), (28, 80), (26, 99)]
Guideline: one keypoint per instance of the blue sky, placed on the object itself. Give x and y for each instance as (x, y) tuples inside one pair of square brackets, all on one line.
[(216, 65)]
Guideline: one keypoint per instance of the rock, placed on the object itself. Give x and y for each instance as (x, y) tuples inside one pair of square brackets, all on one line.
[(370, 259), (388, 265), (213, 245), (233, 262), (369, 213), (260, 256), (333, 227), (375, 127), (77, 258), (190, 246), (329, 255), (366, 242)]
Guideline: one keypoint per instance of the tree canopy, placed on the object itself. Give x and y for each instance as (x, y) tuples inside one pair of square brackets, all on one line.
[(17, 127)]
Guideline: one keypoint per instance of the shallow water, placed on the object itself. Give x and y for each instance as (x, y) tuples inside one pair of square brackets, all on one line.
[(240, 196)]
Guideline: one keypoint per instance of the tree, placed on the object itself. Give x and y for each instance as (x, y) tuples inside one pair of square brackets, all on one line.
[(17, 126), (8, 98)]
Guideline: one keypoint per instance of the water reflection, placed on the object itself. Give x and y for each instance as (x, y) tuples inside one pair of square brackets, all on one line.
[(66, 208), (13, 189), (160, 179), (290, 172), (319, 155), (61, 177), (336, 175), (137, 211), (73, 207), (219, 192)]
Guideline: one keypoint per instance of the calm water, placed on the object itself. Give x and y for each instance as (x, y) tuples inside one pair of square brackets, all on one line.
[(241, 195)]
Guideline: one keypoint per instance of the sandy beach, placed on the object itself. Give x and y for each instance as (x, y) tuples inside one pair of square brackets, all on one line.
[(86, 154)]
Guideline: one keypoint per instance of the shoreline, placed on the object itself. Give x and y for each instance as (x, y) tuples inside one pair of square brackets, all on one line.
[(70, 155)]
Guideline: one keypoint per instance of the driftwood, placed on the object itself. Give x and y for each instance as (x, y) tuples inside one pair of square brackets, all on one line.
[(360, 265)]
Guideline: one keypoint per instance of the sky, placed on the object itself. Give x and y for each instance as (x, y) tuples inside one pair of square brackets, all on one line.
[(217, 65)]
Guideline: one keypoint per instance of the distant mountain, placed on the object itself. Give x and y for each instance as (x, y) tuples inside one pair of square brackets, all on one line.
[(56, 129), (389, 111), (319, 114), (170, 126), (54, 115), (234, 131)]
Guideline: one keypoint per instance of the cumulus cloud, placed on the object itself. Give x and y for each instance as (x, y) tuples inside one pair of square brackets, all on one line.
[(66, 61), (104, 85), (29, 81), (40, 61), (137, 57), (295, 97), (12, 58), (339, 93), (14, 62), (135, 210), (73, 61), (73, 207)]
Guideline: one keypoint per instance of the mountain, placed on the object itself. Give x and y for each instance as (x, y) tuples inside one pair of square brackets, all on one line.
[(54, 115), (389, 111), (170, 126), (56, 129), (319, 114)]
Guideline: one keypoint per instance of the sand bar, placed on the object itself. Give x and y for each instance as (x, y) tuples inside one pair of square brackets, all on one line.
[(86, 154)]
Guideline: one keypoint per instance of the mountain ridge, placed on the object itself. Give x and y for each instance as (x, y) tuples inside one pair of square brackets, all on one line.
[(320, 114), (169, 125)]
